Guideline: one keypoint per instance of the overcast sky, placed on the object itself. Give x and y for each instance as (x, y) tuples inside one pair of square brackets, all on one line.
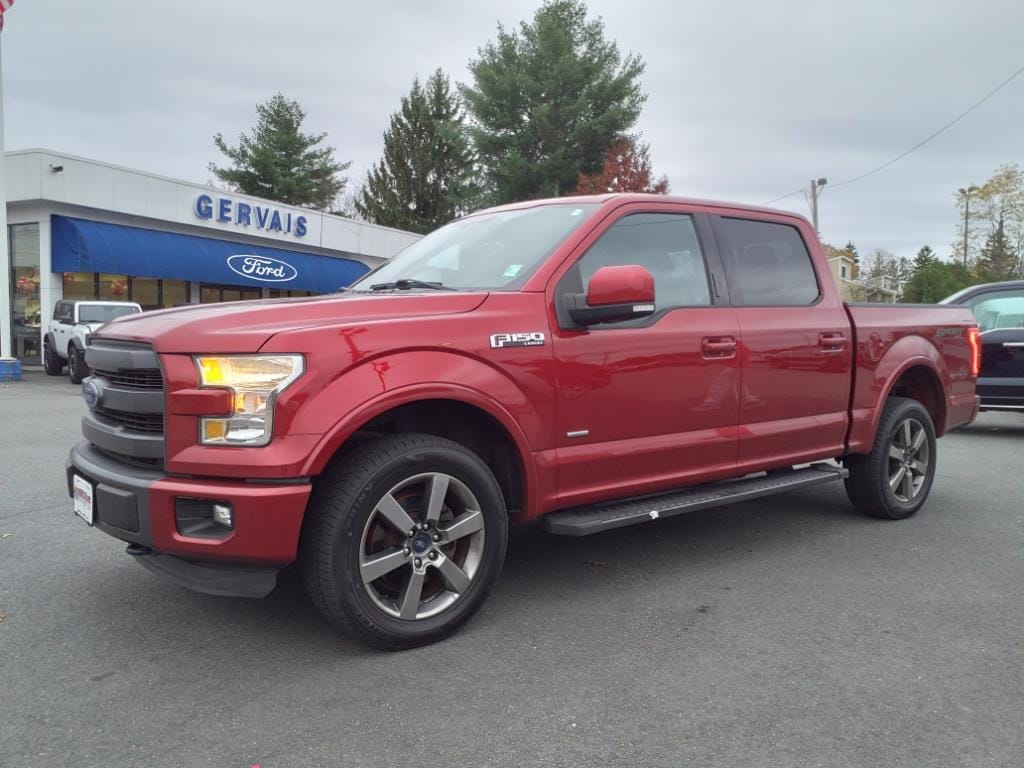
[(747, 100)]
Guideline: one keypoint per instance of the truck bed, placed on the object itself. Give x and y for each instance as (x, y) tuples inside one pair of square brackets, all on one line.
[(892, 339)]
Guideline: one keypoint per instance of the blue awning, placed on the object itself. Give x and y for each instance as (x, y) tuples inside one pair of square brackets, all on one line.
[(92, 246)]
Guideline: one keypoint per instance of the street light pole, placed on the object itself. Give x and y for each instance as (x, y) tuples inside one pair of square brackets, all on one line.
[(816, 185)]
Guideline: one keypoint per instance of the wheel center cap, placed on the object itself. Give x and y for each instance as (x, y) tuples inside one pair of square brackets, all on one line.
[(420, 543)]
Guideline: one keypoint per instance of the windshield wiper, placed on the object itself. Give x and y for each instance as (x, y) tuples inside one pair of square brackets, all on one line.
[(406, 283)]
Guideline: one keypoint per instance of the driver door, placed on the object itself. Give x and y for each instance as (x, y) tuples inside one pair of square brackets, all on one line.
[(649, 404)]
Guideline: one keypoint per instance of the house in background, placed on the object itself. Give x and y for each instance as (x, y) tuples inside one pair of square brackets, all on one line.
[(844, 269)]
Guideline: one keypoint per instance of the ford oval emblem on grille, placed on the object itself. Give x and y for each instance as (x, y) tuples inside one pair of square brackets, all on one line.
[(92, 392), (262, 268)]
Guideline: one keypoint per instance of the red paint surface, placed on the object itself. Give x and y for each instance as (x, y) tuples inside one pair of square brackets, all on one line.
[(689, 396)]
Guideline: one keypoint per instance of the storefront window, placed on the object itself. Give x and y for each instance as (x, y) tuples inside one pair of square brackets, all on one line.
[(276, 293), (145, 291), (174, 293), (79, 285), (112, 288), (149, 292), (210, 294), (25, 315)]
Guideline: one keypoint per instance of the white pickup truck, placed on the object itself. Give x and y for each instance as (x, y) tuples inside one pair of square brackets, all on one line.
[(69, 331)]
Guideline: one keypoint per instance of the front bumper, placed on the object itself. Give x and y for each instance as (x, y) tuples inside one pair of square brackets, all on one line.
[(137, 506)]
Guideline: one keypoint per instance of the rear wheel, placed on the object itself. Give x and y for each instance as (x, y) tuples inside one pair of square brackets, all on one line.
[(893, 481), (77, 369), (403, 540), (53, 364)]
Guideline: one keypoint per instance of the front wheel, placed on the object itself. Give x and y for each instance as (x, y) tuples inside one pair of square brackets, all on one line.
[(403, 540), (77, 369), (893, 481)]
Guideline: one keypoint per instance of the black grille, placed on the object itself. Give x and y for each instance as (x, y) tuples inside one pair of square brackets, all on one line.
[(137, 378), (151, 423)]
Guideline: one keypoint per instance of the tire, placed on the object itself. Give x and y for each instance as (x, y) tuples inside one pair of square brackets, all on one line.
[(893, 481), (53, 364), (77, 369), (355, 528)]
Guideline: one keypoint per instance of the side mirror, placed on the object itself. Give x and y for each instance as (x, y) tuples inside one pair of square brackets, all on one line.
[(613, 295)]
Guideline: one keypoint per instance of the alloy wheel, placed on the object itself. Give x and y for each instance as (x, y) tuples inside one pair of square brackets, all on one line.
[(909, 460), (422, 546)]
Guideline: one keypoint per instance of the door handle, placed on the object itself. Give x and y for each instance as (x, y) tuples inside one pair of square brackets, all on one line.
[(718, 346), (832, 342)]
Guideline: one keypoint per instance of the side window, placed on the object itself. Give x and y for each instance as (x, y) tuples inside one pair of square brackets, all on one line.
[(768, 264), (665, 244), (63, 311), (1004, 309)]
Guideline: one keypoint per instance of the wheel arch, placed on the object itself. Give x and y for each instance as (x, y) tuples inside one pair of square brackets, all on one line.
[(460, 414), (920, 381)]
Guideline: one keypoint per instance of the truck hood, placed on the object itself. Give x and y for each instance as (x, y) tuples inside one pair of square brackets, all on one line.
[(245, 326)]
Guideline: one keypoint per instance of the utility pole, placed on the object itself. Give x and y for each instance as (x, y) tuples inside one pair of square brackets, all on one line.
[(816, 185), (966, 193)]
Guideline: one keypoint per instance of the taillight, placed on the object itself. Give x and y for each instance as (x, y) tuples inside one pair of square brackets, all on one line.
[(974, 339)]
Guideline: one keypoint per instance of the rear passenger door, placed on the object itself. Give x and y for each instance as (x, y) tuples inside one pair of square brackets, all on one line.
[(795, 346)]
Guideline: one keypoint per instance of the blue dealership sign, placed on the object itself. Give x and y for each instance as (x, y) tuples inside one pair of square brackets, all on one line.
[(228, 211), (79, 245)]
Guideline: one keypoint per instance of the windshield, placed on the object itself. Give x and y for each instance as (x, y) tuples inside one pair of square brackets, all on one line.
[(491, 251), (104, 313)]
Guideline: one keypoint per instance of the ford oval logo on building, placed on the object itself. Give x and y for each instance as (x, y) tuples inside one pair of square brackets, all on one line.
[(262, 268)]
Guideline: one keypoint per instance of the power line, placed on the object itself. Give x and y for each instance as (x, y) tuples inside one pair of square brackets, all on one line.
[(783, 197), (948, 125), (921, 143)]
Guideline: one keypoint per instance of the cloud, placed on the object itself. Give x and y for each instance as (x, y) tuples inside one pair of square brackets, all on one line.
[(747, 100)]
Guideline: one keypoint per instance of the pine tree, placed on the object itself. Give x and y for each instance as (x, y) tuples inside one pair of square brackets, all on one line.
[(880, 267), (852, 250), (997, 260), (425, 178), (547, 101), (280, 162), (903, 270), (627, 168), (924, 257), (935, 281)]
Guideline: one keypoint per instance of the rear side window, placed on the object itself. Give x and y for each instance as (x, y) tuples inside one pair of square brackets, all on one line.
[(996, 311), (768, 264)]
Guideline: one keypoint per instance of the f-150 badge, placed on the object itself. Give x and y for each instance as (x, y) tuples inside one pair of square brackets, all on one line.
[(531, 339)]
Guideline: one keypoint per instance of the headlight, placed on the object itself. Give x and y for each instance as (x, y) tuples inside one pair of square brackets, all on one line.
[(255, 382)]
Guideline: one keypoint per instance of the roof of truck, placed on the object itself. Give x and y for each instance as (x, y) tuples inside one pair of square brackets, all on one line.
[(640, 197)]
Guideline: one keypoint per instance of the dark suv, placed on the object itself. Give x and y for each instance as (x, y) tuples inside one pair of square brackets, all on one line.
[(999, 308)]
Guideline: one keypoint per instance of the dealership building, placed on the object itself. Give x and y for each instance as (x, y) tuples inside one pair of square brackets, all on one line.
[(83, 229)]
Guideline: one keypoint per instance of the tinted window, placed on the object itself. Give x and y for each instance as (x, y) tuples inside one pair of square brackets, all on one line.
[(665, 244), (768, 264), (1004, 309)]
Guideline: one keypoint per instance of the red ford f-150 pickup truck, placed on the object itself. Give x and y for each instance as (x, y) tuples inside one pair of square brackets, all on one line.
[(594, 361)]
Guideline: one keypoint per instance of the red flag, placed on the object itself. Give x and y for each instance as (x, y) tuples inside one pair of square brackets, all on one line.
[(5, 5)]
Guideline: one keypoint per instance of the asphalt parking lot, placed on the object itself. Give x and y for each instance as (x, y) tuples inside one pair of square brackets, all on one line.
[(785, 632)]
